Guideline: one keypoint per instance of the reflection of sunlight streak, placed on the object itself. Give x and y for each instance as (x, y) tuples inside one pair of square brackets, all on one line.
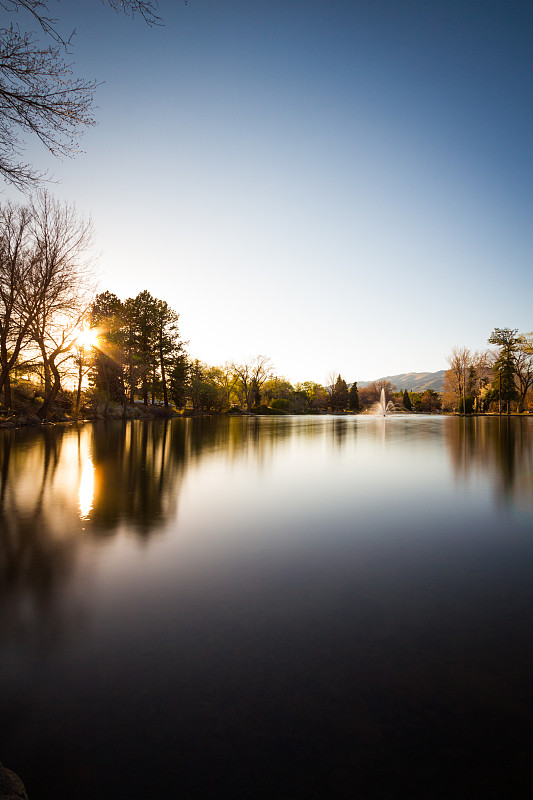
[(86, 490)]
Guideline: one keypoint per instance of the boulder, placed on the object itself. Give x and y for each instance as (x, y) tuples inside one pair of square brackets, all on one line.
[(11, 787)]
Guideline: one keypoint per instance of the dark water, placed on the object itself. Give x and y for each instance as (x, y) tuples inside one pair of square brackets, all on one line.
[(268, 608)]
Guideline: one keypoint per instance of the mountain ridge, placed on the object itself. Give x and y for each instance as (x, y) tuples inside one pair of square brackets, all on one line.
[(412, 381)]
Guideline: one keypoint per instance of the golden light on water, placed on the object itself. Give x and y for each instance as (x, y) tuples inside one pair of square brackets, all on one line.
[(86, 490)]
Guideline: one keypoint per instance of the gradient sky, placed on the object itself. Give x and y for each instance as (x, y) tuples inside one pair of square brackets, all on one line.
[(342, 186)]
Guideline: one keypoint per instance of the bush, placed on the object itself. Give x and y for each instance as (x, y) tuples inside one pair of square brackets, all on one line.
[(280, 404), (468, 405)]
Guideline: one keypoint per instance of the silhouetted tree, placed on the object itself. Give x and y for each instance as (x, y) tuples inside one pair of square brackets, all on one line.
[(45, 280), (167, 342), (139, 348), (19, 301), (62, 242), (179, 380), (142, 311), (107, 373)]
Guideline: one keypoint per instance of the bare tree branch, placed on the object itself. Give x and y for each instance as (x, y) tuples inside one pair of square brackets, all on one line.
[(39, 95), (45, 285)]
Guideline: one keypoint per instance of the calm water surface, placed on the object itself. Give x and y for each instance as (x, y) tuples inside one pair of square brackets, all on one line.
[(268, 608)]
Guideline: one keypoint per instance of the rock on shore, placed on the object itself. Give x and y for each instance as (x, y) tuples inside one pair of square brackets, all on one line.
[(11, 787)]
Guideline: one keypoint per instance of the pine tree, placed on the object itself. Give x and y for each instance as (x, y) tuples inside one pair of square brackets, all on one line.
[(407, 401), (505, 364), (179, 380), (353, 397), (339, 395), (107, 372), (167, 342), (140, 347)]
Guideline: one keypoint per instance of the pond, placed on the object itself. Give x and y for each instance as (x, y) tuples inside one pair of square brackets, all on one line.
[(276, 607)]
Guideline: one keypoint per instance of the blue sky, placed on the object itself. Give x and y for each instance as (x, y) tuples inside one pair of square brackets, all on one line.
[(342, 186)]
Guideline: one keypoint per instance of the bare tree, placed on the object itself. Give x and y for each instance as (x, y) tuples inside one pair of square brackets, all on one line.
[(469, 375), (18, 298), (374, 390), (39, 96), (331, 377), (64, 271), (82, 363), (45, 278), (249, 378), (524, 366), (460, 361)]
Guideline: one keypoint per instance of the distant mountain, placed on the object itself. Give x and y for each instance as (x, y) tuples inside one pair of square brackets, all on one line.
[(413, 381)]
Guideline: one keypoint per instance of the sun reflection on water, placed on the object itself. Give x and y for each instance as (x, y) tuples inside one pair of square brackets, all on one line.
[(86, 490)]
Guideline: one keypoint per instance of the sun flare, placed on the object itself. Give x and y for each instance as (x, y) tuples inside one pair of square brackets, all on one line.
[(86, 337)]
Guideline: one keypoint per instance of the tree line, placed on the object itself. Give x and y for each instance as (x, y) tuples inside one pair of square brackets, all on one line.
[(498, 379), (48, 303), (250, 386), (146, 357)]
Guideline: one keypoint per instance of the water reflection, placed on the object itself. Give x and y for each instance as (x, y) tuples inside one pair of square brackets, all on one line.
[(131, 473), (501, 448), (137, 474), (286, 603), (86, 491), (36, 552)]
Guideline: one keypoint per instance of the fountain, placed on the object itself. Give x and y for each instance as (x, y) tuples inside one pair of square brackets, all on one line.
[(382, 408)]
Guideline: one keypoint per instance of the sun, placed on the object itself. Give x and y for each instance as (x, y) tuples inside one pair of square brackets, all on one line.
[(86, 337)]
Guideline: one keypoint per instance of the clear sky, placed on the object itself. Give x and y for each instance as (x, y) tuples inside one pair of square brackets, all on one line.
[(344, 186)]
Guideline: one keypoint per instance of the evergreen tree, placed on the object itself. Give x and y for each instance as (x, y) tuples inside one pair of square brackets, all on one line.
[(505, 364), (140, 348), (407, 401), (255, 394), (142, 312), (353, 397), (339, 395), (179, 380), (107, 372), (167, 342)]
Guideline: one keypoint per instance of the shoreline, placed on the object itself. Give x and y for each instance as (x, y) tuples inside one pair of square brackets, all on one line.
[(150, 413)]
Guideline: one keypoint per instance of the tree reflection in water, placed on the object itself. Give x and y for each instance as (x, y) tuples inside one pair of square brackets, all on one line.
[(319, 597), (36, 552), (62, 487), (137, 472), (501, 447), (57, 483)]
